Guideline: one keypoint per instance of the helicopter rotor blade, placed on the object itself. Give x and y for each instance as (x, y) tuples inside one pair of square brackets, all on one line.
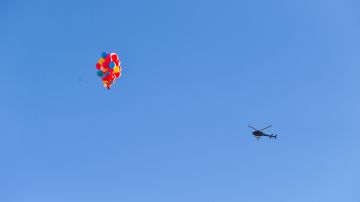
[(252, 127), (266, 127)]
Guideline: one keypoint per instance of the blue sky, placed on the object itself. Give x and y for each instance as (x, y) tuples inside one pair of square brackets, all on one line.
[(174, 126)]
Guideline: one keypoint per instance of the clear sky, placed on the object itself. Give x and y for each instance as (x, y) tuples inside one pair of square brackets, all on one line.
[(174, 127)]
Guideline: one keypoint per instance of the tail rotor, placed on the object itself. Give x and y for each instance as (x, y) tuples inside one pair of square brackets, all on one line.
[(273, 136)]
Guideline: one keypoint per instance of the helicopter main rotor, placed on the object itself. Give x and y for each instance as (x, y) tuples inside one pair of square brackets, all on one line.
[(260, 129)]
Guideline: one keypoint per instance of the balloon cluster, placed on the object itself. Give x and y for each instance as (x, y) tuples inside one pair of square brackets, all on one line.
[(109, 68)]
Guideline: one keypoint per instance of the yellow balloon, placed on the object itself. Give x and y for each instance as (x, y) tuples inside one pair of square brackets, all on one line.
[(101, 61), (116, 69)]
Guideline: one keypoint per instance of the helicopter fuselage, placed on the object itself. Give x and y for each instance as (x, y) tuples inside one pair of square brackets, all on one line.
[(258, 134)]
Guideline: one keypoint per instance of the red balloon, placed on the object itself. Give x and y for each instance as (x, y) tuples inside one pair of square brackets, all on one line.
[(114, 57), (108, 59), (108, 77), (98, 66), (106, 64), (117, 62), (117, 74)]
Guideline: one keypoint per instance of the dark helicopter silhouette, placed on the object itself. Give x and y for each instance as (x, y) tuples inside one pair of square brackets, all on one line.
[(259, 133)]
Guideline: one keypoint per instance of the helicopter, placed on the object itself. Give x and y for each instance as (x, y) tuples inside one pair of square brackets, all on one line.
[(259, 133)]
